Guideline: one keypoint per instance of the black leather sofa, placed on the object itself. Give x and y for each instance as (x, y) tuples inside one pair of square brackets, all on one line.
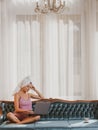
[(62, 115)]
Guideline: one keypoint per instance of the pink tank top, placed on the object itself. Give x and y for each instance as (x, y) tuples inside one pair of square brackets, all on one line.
[(25, 104)]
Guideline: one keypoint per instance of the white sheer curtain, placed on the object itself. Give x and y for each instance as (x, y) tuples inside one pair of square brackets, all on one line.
[(8, 66), (58, 51), (96, 54), (91, 44)]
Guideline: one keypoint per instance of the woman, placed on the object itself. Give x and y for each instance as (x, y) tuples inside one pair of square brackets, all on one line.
[(23, 105)]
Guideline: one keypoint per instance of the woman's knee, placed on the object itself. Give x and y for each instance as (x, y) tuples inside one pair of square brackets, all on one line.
[(10, 114)]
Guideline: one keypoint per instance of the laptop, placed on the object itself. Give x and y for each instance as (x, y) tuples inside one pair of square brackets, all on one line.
[(41, 108)]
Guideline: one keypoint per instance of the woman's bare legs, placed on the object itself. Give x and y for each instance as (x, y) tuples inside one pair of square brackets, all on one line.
[(12, 118), (29, 120)]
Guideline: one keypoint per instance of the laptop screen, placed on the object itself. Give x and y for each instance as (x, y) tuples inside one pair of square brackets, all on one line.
[(41, 108)]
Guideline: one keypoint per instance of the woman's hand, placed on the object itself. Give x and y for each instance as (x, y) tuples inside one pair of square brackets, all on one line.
[(28, 112), (40, 96), (33, 87)]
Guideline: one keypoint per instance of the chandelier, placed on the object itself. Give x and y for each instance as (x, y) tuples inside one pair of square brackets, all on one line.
[(50, 6)]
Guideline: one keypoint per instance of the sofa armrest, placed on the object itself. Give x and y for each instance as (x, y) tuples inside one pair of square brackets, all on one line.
[(1, 113), (1, 119)]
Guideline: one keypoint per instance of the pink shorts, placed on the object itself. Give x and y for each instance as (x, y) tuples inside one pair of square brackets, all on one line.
[(21, 116)]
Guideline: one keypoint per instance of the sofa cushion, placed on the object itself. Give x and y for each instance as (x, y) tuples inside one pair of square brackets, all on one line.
[(53, 124), (7, 125), (80, 124)]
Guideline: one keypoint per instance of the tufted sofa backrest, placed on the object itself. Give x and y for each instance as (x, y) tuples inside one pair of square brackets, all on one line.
[(69, 110), (7, 107), (61, 109)]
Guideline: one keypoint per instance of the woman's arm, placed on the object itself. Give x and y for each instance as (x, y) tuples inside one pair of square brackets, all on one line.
[(39, 95)]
